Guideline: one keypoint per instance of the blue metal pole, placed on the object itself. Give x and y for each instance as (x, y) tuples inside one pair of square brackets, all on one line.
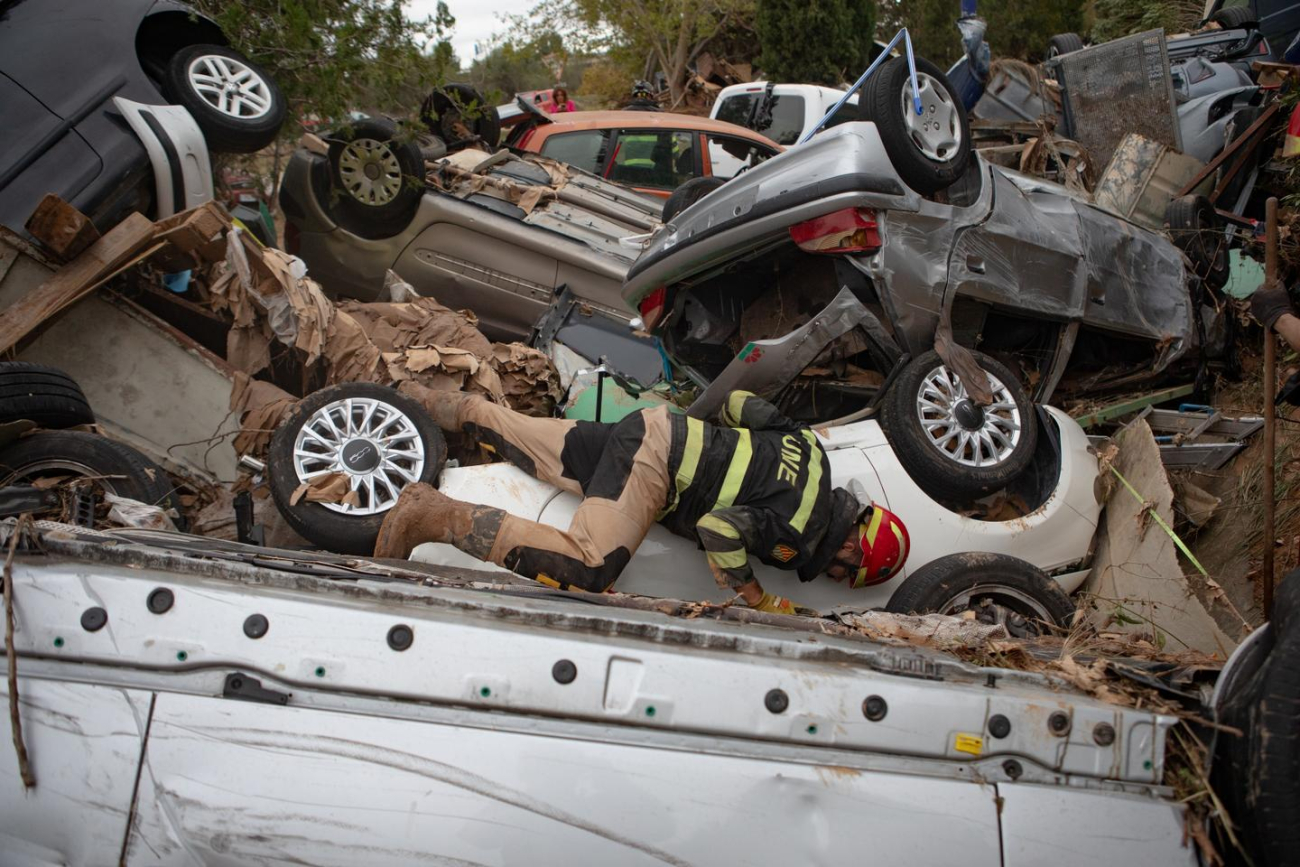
[(884, 55)]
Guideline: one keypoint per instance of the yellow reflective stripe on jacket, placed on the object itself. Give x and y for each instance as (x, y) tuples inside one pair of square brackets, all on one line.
[(728, 559), (719, 526), (800, 519), (734, 408), (690, 462), (735, 471)]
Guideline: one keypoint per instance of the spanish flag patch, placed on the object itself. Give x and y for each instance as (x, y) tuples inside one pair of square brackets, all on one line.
[(784, 553)]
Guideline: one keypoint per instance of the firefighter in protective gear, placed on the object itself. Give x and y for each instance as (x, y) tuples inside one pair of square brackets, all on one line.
[(756, 485)]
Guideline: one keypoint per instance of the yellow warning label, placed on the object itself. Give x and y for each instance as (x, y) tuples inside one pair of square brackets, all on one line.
[(973, 744)]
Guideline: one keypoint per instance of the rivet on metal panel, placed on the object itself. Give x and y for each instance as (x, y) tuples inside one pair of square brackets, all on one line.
[(58, 641), (1059, 723), (256, 625), (181, 656), (93, 619), (999, 726), (564, 671), (160, 601), (1103, 734), (874, 708), (650, 710), (812, 729), (1012, 769), (485, 691), (320, 671), (401, 637), (776, 700)]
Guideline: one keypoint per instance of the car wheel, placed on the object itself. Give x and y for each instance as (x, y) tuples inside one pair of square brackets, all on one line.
[(379, 177), (949, 445), (1258, 771), (1195, 229), (1064, 43), (929, 151), (233, 100), (44, 395), (458, 114), (688, 194), (995, 587), (113, 467), (380, 439), (1236, 18)]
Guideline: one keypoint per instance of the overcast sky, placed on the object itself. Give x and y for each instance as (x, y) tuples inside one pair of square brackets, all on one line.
[(476, 20)]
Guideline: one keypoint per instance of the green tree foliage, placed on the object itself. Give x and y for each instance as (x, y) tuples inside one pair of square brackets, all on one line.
[(511, 66), (668, 34), (814, 41), (1116, 18), (1017, 28), (332, 56)]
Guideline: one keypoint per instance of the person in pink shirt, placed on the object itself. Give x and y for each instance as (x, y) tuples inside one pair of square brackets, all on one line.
[(559, 102)]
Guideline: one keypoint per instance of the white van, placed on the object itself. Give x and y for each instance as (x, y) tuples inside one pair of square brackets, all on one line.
[(782, 112)]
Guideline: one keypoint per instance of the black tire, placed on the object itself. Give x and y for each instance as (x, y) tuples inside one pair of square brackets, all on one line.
[(1064, 43), (451, 104), (938, 470), (998, 588), (124, 470), (688, 194), (1236, 18), (1194, 228), (1259, 773), (225, 132), (882, 103), (378, 177), (326, 526), (41, 394)]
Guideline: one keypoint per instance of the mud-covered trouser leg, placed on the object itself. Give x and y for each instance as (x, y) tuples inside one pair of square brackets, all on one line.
[(625, 493)]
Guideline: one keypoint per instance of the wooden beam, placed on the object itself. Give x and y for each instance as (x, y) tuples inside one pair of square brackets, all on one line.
[(76, 279), (61, 228)]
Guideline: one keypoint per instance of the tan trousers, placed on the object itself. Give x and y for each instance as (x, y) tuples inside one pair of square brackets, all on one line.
[(620, 470)]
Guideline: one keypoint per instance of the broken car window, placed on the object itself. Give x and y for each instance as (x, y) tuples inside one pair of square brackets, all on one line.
[(728, 156)]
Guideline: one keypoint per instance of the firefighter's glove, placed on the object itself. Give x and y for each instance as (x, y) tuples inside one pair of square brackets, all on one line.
[(1269, 302), (773, 604)]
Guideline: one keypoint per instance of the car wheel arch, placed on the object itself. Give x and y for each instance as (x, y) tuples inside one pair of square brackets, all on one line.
[(164, 32)]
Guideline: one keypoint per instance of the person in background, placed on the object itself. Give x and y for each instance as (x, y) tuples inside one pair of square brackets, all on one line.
[(643, 98), (559, 102)]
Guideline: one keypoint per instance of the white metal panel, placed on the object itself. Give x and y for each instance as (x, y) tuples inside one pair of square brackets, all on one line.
[(1043, 825), (84, 746), (235, 783)]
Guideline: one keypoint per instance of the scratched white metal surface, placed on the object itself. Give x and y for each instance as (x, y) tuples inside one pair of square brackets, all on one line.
[(1041, 825), (1054, 535), (84, 744), (229, 783)]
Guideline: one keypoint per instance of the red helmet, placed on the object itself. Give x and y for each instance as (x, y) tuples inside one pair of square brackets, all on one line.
[(884, 544)]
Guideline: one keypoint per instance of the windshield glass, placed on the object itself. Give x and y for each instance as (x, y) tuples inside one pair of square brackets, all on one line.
[(783, 125)]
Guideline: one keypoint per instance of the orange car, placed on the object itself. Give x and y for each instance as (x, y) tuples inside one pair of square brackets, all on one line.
[(650, 151)]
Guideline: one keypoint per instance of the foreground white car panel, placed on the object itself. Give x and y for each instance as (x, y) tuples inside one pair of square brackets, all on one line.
[(467, 747), (1054, 537)]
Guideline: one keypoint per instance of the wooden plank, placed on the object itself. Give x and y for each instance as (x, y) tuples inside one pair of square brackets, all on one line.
[(64, 230), (75, 279), (1118, 410)]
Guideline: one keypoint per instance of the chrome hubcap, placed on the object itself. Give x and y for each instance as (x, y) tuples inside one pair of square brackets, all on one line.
[(936, 131), (971, 435), (370, 172), (230, 86), (376, 445)]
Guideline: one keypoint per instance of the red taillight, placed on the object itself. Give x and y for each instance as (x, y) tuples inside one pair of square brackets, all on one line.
[(652, 307), (852, 230)]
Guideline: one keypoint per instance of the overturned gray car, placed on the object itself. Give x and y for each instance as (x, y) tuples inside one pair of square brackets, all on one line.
[(973, 288)]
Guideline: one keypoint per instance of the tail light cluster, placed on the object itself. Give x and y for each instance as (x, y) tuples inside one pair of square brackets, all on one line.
[(652, 307), (852, 230)]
